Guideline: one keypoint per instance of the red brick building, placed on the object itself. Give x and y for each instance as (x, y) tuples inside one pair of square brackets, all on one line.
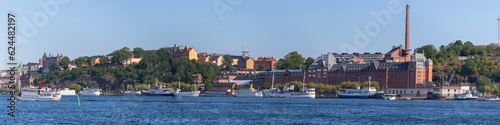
[(266, 63)]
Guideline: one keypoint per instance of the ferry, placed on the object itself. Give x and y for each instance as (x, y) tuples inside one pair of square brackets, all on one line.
[(466, 96), (91, 92), (158, 91), (30, 93), (67, 92), (365, 93)]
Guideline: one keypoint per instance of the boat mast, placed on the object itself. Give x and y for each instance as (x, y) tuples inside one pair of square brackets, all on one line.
[(369, 81), (303, 78), (272, 83)]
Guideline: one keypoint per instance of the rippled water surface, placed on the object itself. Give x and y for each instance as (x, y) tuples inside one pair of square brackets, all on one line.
[(122, 110)]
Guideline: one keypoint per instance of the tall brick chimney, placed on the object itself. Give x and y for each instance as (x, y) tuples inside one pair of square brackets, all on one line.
[(407, 30)]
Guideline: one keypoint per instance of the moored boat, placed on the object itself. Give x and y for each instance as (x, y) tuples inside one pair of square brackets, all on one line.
[(67, 92), (159, 91), (435, 96), (492, 98), (365, 93), (249, 93), (390, 96), (466, 96), (90, 92), (31, 93)]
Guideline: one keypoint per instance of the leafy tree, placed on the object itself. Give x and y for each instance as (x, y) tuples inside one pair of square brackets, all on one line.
[(349, 85), (64, 63), (163, 54), (104, 61), (309, 61), (80, 61), (138, 52), (75, 87), (120, 55), (483, 85), (292, 60), (374, 84), (227, 62)]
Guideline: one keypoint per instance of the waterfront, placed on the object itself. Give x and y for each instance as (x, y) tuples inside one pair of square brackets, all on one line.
[(228, 110)]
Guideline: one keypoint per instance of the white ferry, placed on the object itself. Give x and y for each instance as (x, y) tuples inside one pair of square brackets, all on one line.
[(180, 93), (67, 92), (91, 92), (30, 93)]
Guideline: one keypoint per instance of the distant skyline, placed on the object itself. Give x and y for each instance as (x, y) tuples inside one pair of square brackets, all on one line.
[(265, 27)]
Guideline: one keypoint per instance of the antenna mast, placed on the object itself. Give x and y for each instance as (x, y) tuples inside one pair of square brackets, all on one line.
[(498, 19)]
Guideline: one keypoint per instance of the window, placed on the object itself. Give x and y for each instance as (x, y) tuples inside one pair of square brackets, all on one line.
[(324, 76), (455, 90), (448, 90)]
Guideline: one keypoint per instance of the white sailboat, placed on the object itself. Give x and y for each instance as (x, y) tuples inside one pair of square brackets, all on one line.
[(30, 93), (180, 93), (286, 93)]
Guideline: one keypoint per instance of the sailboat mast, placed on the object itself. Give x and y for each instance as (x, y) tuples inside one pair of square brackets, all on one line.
[(303, 78), (272, 83)]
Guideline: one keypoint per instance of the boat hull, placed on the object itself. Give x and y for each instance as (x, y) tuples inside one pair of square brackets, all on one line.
[(90, 93), (374, 96), (465, 98), (149, 94), (187, 94), (38, 98)]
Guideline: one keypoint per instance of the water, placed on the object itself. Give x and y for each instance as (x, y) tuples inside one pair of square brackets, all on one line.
[(122, 110)]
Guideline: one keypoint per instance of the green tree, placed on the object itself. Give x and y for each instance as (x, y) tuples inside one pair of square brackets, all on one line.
[(138, 52), (309, 61), (64, 63), (292, 60), (227, 62), (374, 84), (349, 85), (83, 60), (120, 55), (75, 87), (483, 85), (104, 61)]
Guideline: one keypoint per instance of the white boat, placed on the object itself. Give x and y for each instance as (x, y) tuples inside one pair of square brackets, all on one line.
[(365, 93), (287, 93), (132, 93), (248, 93), (303, 93), (180, 93), (91, 92), (159, 91), (492, 98), (67, 92), (466, 96), (30, 93), (390, 96)]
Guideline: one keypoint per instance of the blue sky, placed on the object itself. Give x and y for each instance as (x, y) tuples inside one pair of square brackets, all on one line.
[(265, 27)]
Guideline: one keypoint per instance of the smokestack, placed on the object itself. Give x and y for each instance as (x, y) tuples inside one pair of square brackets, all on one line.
[(407, 30)]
